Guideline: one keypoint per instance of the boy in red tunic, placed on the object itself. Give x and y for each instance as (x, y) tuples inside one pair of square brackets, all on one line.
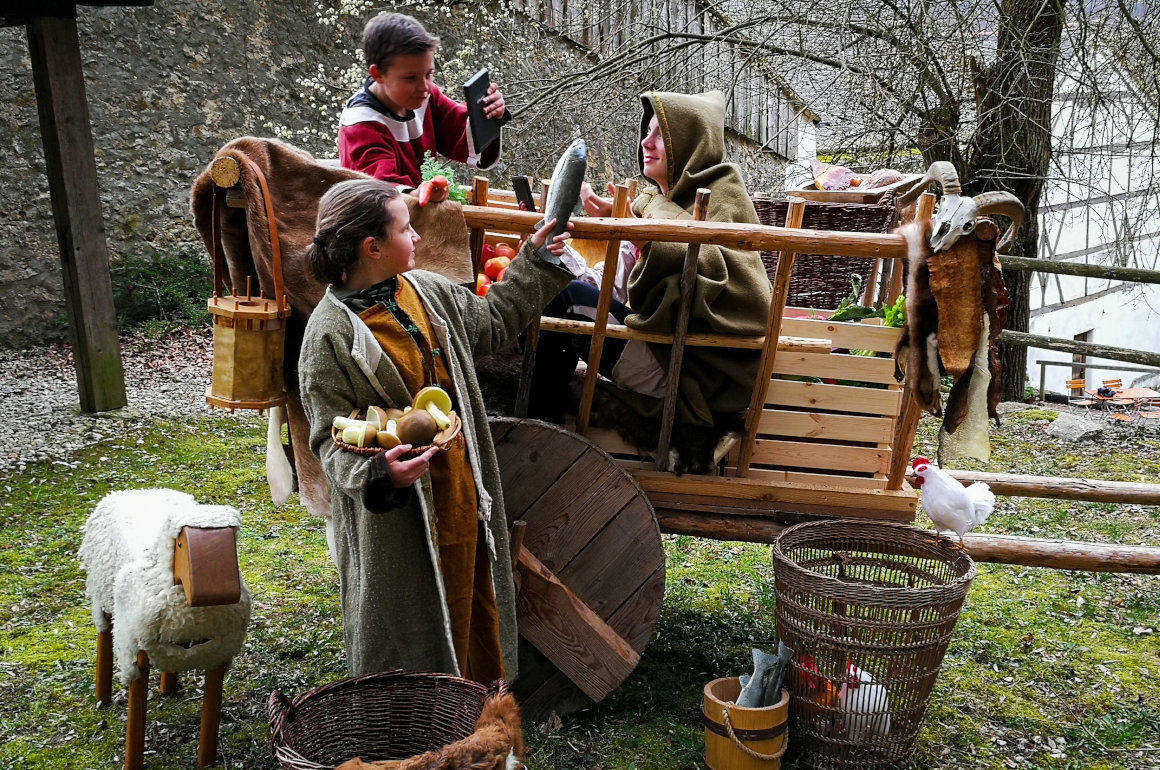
[(400, 115)]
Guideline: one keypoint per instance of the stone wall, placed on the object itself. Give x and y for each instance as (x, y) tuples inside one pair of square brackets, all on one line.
[(169, 84)]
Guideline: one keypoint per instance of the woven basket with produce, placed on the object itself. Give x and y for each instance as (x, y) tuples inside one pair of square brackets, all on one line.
[(430, 421)]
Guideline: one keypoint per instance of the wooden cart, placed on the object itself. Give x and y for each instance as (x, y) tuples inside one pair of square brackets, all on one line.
[(828, 432)]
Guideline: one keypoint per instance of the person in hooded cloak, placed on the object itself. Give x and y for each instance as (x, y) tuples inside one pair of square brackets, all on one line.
[(682, 149)]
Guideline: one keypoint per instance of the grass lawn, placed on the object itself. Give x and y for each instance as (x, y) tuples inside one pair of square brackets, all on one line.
[(1047, 669)]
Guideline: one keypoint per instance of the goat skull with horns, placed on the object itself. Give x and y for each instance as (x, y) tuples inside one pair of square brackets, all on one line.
[(957, 213)]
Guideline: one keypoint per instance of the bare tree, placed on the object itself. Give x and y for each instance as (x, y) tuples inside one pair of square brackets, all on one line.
[(903, 83)]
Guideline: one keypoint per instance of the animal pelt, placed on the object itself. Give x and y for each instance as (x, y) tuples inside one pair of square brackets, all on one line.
[(981, 294), (694, 449), (127, 551), (496, 744), (297, 181), (916, 352), (947, 296)]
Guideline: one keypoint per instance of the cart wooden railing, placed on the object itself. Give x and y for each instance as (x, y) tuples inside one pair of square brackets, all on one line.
[(824, 424)]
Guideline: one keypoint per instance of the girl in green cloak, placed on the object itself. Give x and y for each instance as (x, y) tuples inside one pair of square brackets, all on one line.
[(682, 149)]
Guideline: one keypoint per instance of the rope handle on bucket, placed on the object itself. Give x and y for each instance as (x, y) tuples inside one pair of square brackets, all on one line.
[(737, 741), (219, 266)]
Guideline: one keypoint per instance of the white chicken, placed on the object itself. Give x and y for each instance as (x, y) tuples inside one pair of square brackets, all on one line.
[(864, 706), (949, 504)]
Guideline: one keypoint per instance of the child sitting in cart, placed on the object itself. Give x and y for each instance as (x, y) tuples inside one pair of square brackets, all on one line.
[(400, 115), (421, 541), (682, 149)]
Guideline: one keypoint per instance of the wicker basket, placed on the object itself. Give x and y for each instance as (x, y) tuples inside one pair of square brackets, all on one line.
[(824, 281), (869, 610), (444, 439), (387, 716)]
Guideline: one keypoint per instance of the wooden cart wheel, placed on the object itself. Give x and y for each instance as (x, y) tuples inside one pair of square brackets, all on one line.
[(591, 572)]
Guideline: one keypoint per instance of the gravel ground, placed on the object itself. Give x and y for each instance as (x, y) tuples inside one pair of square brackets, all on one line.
[(165, 376)]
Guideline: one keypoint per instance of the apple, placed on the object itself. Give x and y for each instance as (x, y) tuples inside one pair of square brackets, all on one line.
[(482, 285), (496, 265)]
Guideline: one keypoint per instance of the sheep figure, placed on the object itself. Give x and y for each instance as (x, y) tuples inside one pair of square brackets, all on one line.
[(165, 588)]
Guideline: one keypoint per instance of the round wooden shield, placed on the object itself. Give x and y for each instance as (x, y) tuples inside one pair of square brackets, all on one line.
[(591, 573)]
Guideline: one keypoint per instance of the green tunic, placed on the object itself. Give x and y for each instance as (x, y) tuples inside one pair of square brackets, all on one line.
[(393, 606), (732, 290)]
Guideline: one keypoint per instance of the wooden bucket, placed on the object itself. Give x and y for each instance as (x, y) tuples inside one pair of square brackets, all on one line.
[(249, 333), (739, 738)]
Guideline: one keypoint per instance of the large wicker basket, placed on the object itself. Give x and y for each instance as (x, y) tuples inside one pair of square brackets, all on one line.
[(868, 609), (387, 716), (824, 281)]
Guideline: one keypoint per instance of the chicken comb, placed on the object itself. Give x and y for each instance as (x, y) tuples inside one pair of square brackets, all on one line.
[(919, 461)]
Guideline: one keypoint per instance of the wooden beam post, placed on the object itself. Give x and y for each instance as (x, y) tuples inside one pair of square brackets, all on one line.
[(559, 624), (777, 299), (76, 205), (910, 414), (479, 187), (1060, 267), (739, 235), (211, 716), (1062, 487), (603, 303), (1109, 352), (983, 547), (677, 352)]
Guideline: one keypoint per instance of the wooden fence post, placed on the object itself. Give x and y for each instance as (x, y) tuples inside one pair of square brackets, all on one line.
[(910, 412), (596, 346), (677, 353), (793, 218), (67, 138)]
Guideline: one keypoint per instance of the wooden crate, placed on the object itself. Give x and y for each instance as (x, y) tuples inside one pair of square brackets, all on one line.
[(824, 437)]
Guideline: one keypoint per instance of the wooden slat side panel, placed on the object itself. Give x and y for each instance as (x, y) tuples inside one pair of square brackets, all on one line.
[(837, 366), (844, 335), (839, 398), (835, 480), (799, 454), (761, 494), (854, 504), (840, 427), (845, 482)]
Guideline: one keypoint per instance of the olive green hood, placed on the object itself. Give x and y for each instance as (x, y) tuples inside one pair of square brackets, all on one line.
[(693, 127), (732, 291)]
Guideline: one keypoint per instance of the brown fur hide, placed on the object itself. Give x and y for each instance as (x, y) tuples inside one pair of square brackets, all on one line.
[(297, 181), (947, 295), (916, 351), (497, 734)]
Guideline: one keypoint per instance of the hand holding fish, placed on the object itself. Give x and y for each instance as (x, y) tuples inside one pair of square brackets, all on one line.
[(556, 247)]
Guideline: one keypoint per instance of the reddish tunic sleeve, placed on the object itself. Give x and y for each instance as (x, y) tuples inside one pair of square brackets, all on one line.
[(369, 147), (449, 122)]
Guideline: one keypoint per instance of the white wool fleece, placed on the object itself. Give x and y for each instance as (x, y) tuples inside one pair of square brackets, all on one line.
[(127, 551)]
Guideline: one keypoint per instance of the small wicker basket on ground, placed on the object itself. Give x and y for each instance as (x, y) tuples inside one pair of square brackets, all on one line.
[(387, 716), (869, 610)]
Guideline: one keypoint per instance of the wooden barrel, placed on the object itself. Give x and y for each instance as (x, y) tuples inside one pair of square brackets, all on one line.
[(739, 738)]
